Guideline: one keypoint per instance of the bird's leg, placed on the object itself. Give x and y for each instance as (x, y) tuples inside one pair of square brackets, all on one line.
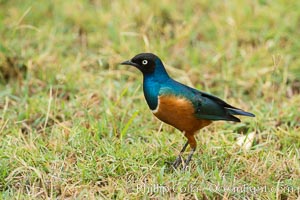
[(193, 144), (178, 159), (187, 161)]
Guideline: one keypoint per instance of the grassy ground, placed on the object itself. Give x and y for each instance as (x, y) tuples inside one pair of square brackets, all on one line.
[(74, 124)]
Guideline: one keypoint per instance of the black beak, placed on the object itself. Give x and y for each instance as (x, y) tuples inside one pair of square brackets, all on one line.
[(128, 62)]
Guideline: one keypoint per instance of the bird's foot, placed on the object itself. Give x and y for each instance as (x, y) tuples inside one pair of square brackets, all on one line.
[(185, 163), (177, 162)]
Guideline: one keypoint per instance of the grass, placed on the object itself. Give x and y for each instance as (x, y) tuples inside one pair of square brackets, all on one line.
[(74, 124)]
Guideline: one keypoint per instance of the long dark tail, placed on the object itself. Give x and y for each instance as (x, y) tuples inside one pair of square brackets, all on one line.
[(233, 111)]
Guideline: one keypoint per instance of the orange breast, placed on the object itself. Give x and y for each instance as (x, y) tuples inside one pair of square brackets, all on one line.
[(180, 113)]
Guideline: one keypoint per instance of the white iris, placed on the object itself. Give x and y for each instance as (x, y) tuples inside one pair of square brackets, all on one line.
[(145, 62)]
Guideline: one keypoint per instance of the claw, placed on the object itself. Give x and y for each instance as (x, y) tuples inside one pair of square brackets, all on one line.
[(185, 163), (177, 162)]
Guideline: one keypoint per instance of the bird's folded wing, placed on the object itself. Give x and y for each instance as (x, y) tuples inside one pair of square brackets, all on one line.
[(206, 106)]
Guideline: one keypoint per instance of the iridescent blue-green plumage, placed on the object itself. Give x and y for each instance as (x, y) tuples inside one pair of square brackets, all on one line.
[(206, 105), (183, 107)]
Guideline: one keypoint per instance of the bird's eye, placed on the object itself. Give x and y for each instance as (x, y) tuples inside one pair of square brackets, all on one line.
[(145, 62)]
